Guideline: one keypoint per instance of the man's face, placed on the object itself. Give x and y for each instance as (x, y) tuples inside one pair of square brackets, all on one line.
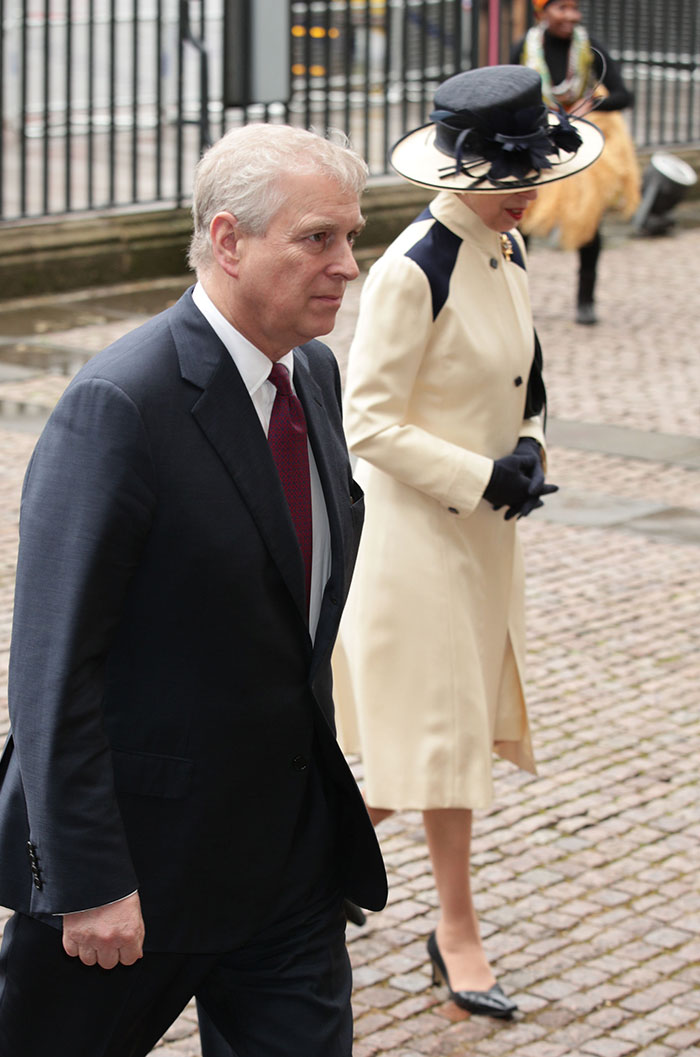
[(561, 17), (290, 282)]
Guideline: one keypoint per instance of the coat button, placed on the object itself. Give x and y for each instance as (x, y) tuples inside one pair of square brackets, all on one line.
[(453, 510), (493, 262), (299, 763), (518, 381)]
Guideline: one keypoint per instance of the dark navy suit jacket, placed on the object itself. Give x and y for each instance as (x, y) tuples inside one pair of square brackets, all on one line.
[(165, 697)]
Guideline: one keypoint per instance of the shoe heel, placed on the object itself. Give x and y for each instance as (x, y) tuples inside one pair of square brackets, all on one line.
[(439, 974)]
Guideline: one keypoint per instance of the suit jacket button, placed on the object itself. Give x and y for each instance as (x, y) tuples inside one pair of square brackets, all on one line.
[(453, 510), (299, 763), (518, 381), (493, 262)]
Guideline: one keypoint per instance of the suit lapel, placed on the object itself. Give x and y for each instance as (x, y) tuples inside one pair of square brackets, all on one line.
[(226, 415)]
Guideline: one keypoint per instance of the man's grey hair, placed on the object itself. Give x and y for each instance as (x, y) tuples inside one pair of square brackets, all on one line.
[(243, 174)]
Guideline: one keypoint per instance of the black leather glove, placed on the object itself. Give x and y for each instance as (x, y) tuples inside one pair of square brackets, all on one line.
[(517, 480)]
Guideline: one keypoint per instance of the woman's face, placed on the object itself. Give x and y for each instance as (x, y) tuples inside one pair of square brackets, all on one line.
[(561, 17), (499, 212)]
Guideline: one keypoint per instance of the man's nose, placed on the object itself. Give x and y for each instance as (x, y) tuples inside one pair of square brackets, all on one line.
[(345, 264)]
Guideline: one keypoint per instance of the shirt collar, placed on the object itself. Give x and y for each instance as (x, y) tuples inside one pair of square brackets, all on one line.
[(253, 365)]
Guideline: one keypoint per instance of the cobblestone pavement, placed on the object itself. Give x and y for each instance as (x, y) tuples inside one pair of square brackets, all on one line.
[(587, 876)]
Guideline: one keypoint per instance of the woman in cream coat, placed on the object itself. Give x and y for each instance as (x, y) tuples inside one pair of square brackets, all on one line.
[(444, 411)]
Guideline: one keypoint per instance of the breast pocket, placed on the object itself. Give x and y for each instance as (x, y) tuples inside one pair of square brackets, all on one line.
[(149, 774)]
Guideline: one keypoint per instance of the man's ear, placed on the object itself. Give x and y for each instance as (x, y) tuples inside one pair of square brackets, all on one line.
[(225, 238)]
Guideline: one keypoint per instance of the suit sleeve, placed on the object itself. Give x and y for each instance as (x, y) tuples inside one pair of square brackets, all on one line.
[(87, 506), (393, 331)]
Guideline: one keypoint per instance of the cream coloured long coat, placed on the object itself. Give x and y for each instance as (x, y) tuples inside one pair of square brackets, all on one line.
[(430, 666)]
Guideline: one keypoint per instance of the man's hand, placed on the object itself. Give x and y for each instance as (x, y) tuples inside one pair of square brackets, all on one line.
[(106, 935)]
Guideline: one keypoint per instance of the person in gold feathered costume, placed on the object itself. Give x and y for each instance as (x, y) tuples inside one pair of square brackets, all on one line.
[(579, 75)]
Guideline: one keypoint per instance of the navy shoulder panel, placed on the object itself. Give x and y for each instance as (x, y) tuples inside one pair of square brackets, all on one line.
[(425, 215), (435, 254)]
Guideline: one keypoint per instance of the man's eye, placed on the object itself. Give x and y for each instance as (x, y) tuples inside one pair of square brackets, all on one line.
[(319, 236)]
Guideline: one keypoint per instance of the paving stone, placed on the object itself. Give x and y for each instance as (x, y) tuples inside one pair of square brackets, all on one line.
[(608, 1047), (685, 1039), (414, 1005), (371, 1022), (641, 1030), (414, 983), (668, 937), (677, 1014), (654, 997), (554, 990), (544, 1049), (656, 1051), (389, 1038)]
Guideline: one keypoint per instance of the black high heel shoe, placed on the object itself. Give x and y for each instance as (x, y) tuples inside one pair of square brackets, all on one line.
[(491, 1003)]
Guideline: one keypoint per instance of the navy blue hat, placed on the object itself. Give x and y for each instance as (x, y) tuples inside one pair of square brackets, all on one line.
[(491, 131)]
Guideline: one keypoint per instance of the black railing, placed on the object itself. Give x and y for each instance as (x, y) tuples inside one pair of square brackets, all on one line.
[(107, 105), (658, 48)]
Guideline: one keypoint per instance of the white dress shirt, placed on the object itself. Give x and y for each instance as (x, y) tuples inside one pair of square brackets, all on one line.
[(254, 368)]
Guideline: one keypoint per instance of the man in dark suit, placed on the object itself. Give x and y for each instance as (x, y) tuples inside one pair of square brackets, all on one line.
[(176, 817)]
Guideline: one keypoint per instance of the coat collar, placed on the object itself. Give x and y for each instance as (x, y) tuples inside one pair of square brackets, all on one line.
[(458, 217)]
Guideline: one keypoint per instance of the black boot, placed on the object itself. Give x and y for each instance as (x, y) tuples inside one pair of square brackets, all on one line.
[(588, 264), (585, 313)]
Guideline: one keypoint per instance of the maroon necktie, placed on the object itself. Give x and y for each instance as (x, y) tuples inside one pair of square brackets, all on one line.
[(288, 443)]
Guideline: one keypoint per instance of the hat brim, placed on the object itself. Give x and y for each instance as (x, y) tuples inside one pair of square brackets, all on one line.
[(416, 158)]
